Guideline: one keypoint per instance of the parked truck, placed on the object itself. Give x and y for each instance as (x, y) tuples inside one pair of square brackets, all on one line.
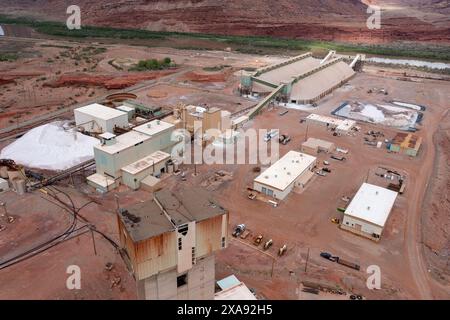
[(348, 263)]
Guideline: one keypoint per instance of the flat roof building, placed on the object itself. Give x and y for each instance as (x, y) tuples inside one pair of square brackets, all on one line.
[(340, 125), (294, 169), (118, 152), (369, 210), (135, 172), (98, 118), (407, 143), (314, 146), (171, 241), (233, 289)]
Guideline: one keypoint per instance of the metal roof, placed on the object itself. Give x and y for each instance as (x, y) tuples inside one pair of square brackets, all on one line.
[(228, 282), (286, 170), (314, 85), (154, 127), (287, 72), (100, 111), (146, 162), (372, 204), (340, 124), (237, 292), (145, 220), (193, 204), (316, 143), (124, 141)]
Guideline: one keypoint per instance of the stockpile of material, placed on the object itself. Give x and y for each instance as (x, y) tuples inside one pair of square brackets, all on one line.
[(52, 146)]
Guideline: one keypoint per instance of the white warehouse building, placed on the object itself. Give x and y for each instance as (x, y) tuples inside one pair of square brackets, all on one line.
[(294, 169), (368, 211), (97, 118), (115, 154)]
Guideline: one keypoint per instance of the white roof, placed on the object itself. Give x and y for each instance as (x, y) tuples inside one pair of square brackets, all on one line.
[(286, 170), (124, 141), (314, 85), (107, 135), (372, 203), (125, 108), (154, 127), (285, 73), (100, 111), (147, 162), (340, 124), (237, 292), (101, 180)]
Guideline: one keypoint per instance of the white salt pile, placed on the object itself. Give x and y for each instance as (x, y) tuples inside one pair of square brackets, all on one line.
[(51, 147)]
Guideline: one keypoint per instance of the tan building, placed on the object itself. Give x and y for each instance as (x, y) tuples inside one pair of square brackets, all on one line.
[(205, 118), (293, 170), (369, 210), (314, 146), (170, 242)]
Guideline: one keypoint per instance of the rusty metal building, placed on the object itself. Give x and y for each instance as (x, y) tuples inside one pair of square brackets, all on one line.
[(170, 242)]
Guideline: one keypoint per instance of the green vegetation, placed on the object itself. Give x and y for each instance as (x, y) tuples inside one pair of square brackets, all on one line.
[(55, 46), (216, 68), (152, 64), (8, 57), (246, 44)]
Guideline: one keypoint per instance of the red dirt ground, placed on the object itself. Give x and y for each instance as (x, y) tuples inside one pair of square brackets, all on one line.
[(107, 81)]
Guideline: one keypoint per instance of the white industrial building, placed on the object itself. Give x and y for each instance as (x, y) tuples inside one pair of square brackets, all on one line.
[(368, 211), (132, 153), (233, 289), (340, 125), (154, 164), (97, 118), (294, 169)]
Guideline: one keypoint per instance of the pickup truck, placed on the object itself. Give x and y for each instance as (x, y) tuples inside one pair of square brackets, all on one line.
[(328, 256), (339, 158)]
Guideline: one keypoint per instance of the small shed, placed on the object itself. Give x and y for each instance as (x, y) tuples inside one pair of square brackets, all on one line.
[(314, 146)]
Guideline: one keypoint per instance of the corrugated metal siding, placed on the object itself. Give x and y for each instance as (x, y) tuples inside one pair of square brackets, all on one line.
[(156, 254), (209, 236)]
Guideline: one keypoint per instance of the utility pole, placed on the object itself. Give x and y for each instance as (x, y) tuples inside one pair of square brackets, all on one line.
[(116, 196), (307, 258), (93, 242)]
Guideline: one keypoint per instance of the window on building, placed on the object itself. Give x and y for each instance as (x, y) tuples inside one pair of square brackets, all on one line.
[(182, 280), (183, 229), (180, 244), (193, 255), (223, 242)]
